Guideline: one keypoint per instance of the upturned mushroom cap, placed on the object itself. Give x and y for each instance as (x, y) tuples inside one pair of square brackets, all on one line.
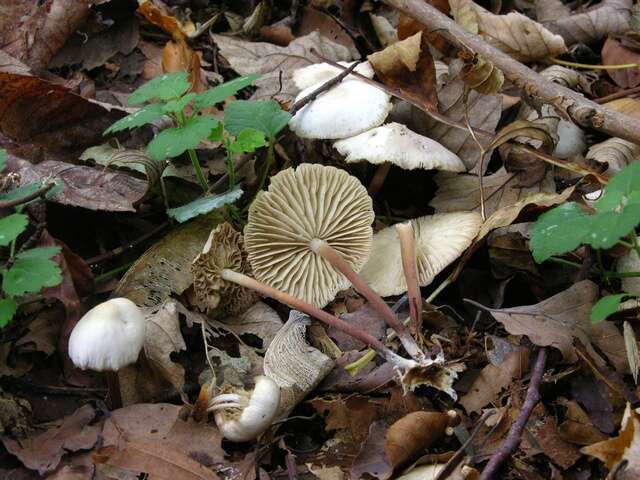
[(349, 108), (223, 249), (311, 202), (440, 239), (108, 337), (322, 72), (396, 144)]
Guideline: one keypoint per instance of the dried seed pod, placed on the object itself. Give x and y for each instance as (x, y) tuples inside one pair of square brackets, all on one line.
[(295, 366), (223, 249)]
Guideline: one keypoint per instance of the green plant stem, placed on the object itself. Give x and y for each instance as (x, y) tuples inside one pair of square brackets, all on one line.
[(112, 273), (624, 243), (634, 242), (562, 261), (180, 120), (267, 167), (12, 249), (621, 274), (231, 170)]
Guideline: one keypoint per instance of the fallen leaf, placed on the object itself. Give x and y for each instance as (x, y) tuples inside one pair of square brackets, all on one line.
[(482, 76), (164, 268), (576, 427), (615, 52), (368, 319), (276, 64), (513, 33), (260, 320), (314, 20), (407, 66), (551, 10), (494, 378), (631, 348), (613, 154), (609, 17), (594, 396), (42, 452), (15, 413), (35, 38), (557, 320), (623, 448)]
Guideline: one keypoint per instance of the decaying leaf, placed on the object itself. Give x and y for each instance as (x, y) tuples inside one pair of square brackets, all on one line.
[(513, 33), (623, 448), (164, 268), (482, 76), (577, 428), (408, 66), (615, 52), (609, 17), (614, 154), (631, 347), (43, 451)]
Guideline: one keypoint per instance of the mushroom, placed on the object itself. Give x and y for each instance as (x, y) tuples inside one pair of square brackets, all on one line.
[(349, 108), (440, 239), (319, 73), (395, 144), (224, 249), (242, 416), (107, 338)]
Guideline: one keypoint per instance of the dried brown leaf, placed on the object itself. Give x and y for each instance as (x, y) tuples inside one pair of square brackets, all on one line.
[(609, 17), (43, 451), (482, 76), (513, 33), (551, 10), (615, 52), (543, 430), (314, 20), (631, 347), (407, 65), (276, 64), (577, 427), (614, 154)]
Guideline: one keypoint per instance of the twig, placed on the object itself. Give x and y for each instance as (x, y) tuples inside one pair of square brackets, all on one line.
[(533, 85), (38, 193), (322, 88), (620, 94), (515, 432)]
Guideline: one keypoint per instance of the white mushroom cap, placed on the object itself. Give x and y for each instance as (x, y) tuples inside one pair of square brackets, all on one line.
[(440, 239), (397, 144), (245, 424), (108, 337), (321, 72), (348, 109)]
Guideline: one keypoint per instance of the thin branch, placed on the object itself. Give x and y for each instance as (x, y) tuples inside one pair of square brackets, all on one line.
[(515, 432), (533, 85), (38, 193)]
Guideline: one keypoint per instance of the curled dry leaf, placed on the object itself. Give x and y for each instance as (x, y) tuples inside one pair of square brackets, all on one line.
[(276, 64), (408, 66), (164, 268), (35, 37), (482, 76), (609, 17), (631, 347), (613, 154), (513, 33)]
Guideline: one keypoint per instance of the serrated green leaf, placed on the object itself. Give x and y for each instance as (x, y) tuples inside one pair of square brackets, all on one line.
[(263, 115), (222, 92), (248, 140), (11, 227), (165, 87), (203, 205), (606, 306), (559, 230), (3, 159), (174, 106), (146, 114), (8, 308), (175, 141), (32, 271)]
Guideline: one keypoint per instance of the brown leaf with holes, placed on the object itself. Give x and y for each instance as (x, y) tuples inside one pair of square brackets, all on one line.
[(42, 452), (620, 51), (34, 37), (408, 66), (513, 33)]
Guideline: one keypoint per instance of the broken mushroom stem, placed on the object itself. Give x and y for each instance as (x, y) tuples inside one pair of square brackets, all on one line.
[(408, 254), (315, 312), (327, 252)]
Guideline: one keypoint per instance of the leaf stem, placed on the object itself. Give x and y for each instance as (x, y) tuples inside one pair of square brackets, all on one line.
[(587, 66), (196, 167), (267, 167)]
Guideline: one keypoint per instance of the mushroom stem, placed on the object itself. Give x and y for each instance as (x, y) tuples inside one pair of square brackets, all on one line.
[(113, 387), (324, 317), (378, 178), (334, 258), (227, 397), (408, 253)]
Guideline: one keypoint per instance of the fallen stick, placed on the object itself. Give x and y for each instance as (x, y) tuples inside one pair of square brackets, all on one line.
[(533, 86)]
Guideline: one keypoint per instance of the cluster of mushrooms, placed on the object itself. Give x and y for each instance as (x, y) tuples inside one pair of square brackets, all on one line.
[(308, 237)]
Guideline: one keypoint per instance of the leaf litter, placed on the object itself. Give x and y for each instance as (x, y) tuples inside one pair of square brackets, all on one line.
[(460, 392)]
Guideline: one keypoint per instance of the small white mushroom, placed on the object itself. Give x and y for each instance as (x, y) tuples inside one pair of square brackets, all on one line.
[(242, 416), (107, 338), (319, 73)]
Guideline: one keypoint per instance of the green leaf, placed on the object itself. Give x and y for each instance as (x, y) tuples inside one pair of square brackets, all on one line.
[(248, 140), (606, 306), (263, 115), (143, 116), (224, 91), (203, 205), (8, 308), (32, 271), (11, 227), (175, 106), (165, 87), (3, 159), (175, 141), (217, 134), (558, 231)]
